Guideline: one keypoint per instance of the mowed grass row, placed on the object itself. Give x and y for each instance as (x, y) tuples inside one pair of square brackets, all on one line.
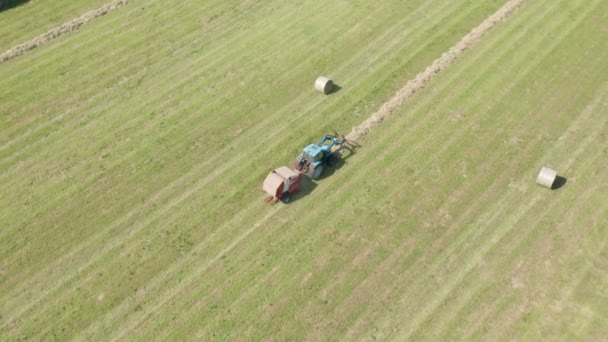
[(102, 176), (94, 160), (516, 151), (311, 278), (253, 285), (497, 297), (299, 257), (34, 18), (272, 298)]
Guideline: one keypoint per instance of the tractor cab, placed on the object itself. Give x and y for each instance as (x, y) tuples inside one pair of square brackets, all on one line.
[(314, 153), (312, 158), (310, 161)]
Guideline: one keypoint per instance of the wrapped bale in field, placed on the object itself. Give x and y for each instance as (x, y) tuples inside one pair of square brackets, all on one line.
[(546, 177), (324, 85)]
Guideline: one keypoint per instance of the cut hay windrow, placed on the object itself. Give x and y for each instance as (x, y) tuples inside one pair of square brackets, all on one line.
[(422, 79), (68, 27)]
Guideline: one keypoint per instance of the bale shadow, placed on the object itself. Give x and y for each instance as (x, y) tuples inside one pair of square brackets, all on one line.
[(558, 182), (334, 89), (8, 4)]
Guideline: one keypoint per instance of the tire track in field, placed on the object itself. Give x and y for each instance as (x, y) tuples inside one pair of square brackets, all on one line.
[(557, 150), (448, 144), (584, 114), (164, 277), (119, 51), (240, 238), (418, 83), (486, 20), (170, 206), (154, 199), (235, 304), (586, 166), (180, 82), (503, 228), (130, 153), (505, 319), (433, 305), (574, 126), (66, 28)]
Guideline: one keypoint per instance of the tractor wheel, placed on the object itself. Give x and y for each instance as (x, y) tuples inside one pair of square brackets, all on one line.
[(317, 172), (332, 159), (286, 197)]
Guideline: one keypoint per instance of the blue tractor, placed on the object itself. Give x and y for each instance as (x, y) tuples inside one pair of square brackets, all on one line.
[(310, 162)]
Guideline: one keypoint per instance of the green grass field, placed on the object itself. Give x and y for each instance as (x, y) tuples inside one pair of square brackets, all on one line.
[(132, 154)]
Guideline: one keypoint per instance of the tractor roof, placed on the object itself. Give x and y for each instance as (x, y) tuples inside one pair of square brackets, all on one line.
[(312, 149)]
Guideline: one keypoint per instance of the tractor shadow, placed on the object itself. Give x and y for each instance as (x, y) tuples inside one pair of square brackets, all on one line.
[(344, 153), (307, 186), (559, 182), (8, 4)]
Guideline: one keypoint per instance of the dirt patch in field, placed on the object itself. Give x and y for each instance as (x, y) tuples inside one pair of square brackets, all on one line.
[(422, 79), (68, 27), (306, 278)]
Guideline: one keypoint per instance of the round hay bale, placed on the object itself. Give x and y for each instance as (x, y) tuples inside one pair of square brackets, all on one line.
[(324, 85), (546, 177)]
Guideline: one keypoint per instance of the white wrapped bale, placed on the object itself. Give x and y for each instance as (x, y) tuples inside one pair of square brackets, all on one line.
[(324, 85), (546, 177)]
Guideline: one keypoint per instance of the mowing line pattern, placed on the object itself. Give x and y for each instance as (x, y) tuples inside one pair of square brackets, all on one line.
[(55, 271), (465, 43), (66, 28), (201, 183), (427, 75), (154, 199), (432, 229)]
